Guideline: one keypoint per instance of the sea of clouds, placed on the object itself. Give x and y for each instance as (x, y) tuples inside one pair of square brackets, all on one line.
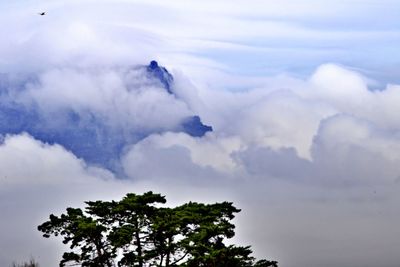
[(307, 149)]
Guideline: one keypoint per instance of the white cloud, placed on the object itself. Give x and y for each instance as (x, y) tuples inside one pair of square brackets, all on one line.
[(312, 162), (38, 179), (293, 36), (122, 98), (343, 164), (308, 164), (208, 151)]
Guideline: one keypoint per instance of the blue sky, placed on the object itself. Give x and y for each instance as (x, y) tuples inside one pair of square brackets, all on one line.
[(302, 97)]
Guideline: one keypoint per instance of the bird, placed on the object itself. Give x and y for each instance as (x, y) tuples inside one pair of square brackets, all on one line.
[(42, 13)]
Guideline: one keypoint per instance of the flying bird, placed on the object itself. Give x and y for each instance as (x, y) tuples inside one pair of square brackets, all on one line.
[(42, 13)]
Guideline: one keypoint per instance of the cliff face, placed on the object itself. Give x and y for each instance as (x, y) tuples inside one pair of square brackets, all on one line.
[(191, 125)]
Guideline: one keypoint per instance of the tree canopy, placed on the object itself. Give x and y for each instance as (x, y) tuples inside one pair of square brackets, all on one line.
[(138, 231)]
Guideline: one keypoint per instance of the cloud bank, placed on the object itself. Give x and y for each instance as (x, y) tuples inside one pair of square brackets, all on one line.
[(314, 166), (308, 151), (315, 162)]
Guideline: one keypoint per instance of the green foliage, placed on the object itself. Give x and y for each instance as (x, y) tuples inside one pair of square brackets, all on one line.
[(136, 231), (83, 233)]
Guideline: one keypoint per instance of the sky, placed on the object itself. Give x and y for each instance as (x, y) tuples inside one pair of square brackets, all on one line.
[(302, 97)]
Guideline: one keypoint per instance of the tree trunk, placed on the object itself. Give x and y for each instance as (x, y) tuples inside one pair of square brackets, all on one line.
[(139, 245), (168, 251)]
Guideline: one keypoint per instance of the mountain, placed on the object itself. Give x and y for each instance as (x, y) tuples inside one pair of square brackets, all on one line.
[(88, 135)]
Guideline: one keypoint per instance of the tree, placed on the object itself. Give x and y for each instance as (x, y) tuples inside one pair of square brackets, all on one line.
[(129, 224), (85, 235), (136, 231)]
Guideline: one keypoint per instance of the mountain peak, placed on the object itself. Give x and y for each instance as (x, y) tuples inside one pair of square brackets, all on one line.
[(191, 125), (153, 65), (90, 138), (161, 74)]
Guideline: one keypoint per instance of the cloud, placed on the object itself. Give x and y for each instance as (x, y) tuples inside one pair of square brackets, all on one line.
[(342, 166), (283, 152), (94, 112), (308, 163), (125, 98), (208, 151), (38, 179), (279, 37), (309, 153)]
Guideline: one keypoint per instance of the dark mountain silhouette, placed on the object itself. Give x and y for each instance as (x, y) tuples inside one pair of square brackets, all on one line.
[(161, 74)]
